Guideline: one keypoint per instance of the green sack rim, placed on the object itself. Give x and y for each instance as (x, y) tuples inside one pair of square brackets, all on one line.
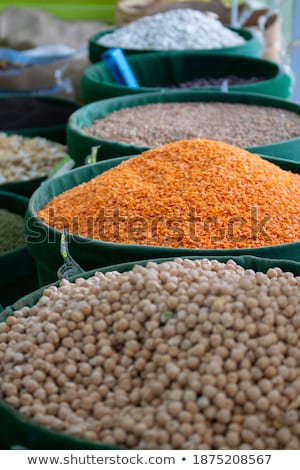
[(248, 35), (246, 261), (256, 61), (129, 101)]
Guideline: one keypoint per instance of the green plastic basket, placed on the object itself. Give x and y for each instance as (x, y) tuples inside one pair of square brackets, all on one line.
[(251, 48), (43, 241), (18, 274), (80, 143), (17, 430), (155, 71)]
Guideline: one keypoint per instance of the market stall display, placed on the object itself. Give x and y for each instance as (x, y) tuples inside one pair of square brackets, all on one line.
[(192, 342)]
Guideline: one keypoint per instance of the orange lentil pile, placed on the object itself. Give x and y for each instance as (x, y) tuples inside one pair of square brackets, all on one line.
[(190, 193)]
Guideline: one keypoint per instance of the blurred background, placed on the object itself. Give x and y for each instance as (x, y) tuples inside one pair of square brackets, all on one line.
[(92, 15)]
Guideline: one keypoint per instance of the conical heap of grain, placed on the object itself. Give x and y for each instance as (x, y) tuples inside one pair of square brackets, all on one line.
[(190, 193)]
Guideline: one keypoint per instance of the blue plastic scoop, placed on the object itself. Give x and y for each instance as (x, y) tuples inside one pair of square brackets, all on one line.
[(119, 67)]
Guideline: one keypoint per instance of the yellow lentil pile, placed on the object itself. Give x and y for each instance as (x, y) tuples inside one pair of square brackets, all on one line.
[(190, 193), (186, 354)]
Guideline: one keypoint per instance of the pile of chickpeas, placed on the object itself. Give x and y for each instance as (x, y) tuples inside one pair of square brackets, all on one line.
[(186, 354)]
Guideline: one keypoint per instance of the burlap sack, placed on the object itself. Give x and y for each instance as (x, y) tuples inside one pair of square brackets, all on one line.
[(26, 28), (268, 25), (130, 10), (269, 30)]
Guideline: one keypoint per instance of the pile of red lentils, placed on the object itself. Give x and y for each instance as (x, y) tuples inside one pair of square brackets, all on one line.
[(191, 193)]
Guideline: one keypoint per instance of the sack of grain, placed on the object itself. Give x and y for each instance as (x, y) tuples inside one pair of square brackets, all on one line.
[(267, 24), (130, 10)]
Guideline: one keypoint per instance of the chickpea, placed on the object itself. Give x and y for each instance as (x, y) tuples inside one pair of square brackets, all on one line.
[(100, 359)]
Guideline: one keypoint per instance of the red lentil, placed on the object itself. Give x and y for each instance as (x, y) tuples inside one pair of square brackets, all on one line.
[(191, 193)]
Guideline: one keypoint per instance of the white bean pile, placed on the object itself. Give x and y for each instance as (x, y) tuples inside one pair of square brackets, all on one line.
[(25, 158), (179, 355), (178, 29)]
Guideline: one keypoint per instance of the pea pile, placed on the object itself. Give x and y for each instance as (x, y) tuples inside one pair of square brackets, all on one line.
[(158, 123), (24, 158), (186, 354), (12, 231)]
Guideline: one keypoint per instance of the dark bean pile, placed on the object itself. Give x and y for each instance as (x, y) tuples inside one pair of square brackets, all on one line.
[(26, 112), (207, 82)]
